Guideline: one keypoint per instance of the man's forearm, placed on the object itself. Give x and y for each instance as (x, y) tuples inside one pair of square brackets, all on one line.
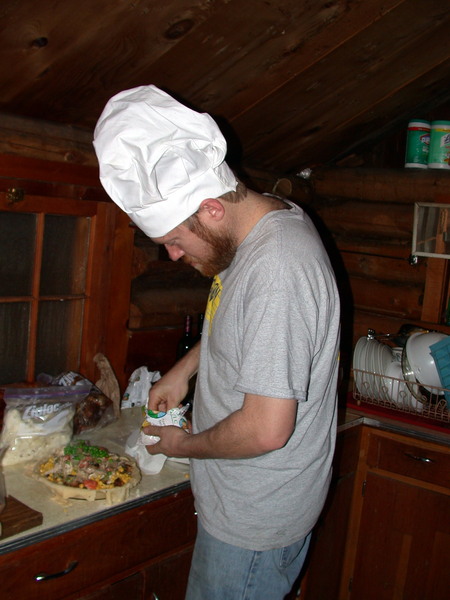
[(260, 426)]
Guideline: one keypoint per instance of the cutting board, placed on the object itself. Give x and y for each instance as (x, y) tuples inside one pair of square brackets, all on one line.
[(17, 517)]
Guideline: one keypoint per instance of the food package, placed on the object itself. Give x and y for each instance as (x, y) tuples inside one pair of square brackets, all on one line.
[(139, 385), (38, 420), (151, 464), (94, 411), (175, 416)]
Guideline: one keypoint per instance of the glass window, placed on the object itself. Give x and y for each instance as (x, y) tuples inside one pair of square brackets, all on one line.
[(44, 264), (17, 242), (14, 320), (64, 255)]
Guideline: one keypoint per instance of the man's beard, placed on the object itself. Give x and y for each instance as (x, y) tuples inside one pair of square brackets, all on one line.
[(222, 249)]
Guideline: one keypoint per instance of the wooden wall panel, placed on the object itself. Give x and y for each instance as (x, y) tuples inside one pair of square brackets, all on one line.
[(385, 223), (366, 218)]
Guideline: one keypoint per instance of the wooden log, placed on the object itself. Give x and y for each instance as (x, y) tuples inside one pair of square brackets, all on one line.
[(366, 219), (382, 185), (381, 297), (394, 271), (34, 138), (400, 249)]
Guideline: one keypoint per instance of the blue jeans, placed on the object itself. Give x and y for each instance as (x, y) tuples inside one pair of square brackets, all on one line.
[(221, 571)]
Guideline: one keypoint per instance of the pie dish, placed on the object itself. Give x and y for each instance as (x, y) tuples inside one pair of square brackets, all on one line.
[(81, 470)]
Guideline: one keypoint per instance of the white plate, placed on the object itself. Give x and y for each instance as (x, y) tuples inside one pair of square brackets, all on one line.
[(398, 390), (358, 364), (360, 345), (369, 379)]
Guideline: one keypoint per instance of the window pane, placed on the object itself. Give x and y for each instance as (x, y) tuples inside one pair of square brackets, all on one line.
[(64, 257), (17, 242), (14, 318), (59, 336)]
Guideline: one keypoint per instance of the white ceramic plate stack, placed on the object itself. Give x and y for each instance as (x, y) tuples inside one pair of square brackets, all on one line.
[(404, 377), (372, 357), (379, 374)]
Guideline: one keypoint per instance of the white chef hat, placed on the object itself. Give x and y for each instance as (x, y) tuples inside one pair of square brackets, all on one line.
[(159, 159)]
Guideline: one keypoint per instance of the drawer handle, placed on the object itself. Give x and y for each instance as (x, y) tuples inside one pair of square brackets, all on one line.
[(46, 576), (423, 459)]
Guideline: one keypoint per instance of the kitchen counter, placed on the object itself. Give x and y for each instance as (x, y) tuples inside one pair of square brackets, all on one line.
[(61, 515), (351, 417)]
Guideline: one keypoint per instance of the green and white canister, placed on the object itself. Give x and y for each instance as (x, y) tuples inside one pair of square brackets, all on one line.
[(439, 155), (417, 144)]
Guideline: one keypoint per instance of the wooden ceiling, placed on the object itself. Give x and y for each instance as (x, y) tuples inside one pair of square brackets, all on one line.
[(293, 83)]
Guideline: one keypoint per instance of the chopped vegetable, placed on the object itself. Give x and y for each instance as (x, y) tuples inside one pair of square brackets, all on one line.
[(84, 466)]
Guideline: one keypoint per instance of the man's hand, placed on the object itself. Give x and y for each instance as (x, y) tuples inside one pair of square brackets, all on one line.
[(173, 387), (262, 425), (171, 440)]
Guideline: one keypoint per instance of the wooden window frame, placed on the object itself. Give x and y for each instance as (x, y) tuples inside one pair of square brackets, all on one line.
[(55, 188)]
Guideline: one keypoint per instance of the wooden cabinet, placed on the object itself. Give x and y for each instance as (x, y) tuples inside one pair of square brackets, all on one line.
[(144, 552), (328, 543), (385, 533)]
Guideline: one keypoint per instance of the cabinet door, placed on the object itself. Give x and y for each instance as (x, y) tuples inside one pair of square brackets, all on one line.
[(130, 588), (91, 557), (404, 543), (167, 579), (324, 563)]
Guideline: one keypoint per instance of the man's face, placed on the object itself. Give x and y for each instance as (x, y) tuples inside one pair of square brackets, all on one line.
[(205, 250)]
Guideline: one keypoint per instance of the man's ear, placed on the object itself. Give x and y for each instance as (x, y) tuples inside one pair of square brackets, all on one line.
[(212, 209)]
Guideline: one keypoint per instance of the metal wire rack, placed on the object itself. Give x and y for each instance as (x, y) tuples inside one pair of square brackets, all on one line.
[(401, 395)]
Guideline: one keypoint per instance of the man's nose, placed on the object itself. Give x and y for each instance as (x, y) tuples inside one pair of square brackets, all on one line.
[(174, 252)]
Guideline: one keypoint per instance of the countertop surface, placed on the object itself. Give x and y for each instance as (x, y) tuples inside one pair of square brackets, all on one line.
[(63, 515), (60, 515), (351, 417)]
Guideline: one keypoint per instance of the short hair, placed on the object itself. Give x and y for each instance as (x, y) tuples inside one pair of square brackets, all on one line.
[(232, 197), (238, 195)]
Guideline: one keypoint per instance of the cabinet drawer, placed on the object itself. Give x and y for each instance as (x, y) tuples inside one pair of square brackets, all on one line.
[(421, 461), (99, 552)]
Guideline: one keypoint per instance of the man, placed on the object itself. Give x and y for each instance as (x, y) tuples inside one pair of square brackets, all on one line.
[(264, 413)]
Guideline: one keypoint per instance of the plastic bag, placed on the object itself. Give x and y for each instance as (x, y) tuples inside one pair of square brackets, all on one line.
[(94, 411), (39, 420), (139, 385)]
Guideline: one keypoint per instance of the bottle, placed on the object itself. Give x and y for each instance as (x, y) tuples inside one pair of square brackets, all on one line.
[(439, 156), (186, 340), (417, 144)]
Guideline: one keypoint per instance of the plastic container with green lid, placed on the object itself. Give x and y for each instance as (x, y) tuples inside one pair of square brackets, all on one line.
[(439, 155), (417, 144)]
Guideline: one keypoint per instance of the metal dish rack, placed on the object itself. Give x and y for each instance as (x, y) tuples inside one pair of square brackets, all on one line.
[(400, 395)]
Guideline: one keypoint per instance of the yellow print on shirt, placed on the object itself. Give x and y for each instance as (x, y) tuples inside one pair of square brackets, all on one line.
[(213, 301)]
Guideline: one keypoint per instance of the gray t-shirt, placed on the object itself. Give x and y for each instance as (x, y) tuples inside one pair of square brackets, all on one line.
[(272, 329)]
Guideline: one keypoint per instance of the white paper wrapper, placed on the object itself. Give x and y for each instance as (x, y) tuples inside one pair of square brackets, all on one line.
[(151, 464), (175, 416)]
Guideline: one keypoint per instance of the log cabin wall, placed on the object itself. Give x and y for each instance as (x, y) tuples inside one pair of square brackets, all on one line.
[(364, 213), (368, 215)]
